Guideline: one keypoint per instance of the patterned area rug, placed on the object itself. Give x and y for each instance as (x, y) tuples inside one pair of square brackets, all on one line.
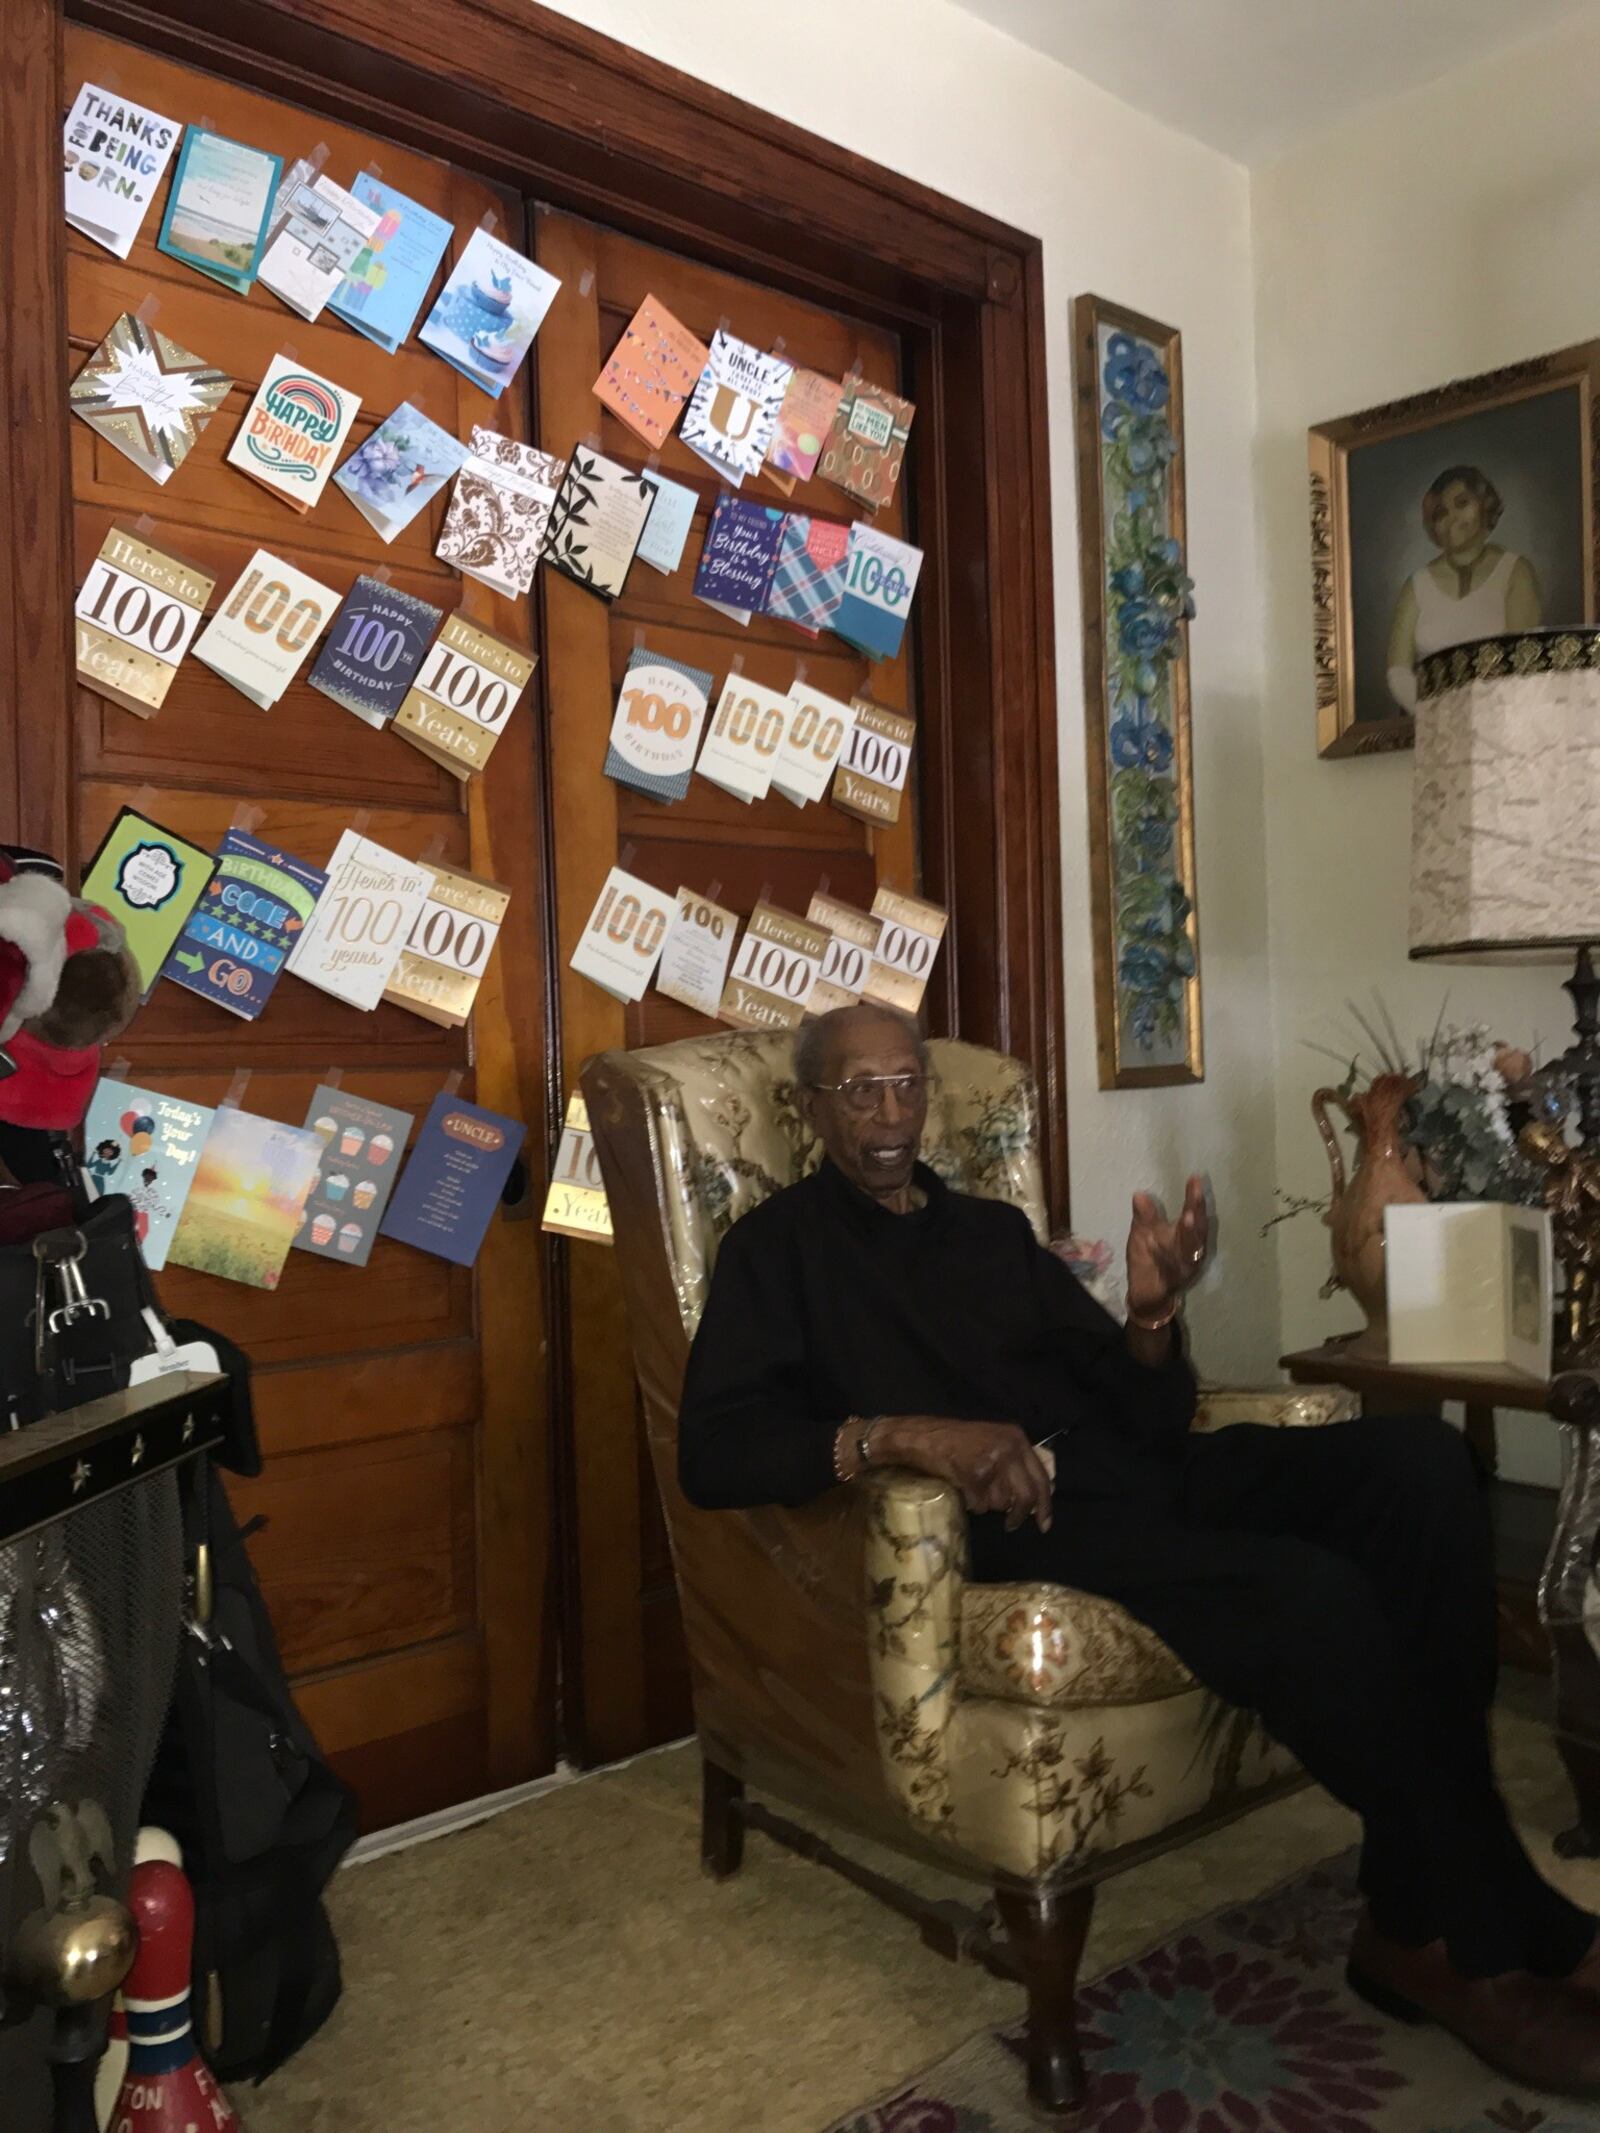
[(1241, 2024)]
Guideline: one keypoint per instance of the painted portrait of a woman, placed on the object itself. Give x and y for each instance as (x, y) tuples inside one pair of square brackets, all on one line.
[(1474, 587)]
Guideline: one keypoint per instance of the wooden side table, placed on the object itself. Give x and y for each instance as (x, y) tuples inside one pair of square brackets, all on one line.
[(1524, 1515)]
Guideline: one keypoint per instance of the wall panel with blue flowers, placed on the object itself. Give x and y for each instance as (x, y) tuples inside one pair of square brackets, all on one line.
[(1137, 601)]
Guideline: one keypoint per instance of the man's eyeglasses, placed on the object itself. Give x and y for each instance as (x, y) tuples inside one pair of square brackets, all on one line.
[(866, 1093)]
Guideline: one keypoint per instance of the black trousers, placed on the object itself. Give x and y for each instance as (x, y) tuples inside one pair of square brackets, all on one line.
[(1338, 1581)]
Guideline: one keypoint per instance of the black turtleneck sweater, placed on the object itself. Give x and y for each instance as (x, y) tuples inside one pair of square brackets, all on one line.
[(825, 1305)]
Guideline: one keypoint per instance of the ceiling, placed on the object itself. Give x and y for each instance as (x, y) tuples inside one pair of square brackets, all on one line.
[(1251, 77)]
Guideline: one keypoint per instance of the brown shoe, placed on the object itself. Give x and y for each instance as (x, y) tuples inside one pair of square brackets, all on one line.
[(1535, 2031)]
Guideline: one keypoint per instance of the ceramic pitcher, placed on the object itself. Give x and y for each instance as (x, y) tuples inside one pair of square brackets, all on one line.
[(1384, 1175)]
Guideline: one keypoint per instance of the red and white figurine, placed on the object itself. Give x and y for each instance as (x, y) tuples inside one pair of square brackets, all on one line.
[(167, 2087)]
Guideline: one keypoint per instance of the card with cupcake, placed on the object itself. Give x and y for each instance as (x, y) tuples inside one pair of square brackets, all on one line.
[(362, 1144)]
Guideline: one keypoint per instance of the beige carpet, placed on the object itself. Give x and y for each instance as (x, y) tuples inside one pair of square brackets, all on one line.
[(567, 1969)]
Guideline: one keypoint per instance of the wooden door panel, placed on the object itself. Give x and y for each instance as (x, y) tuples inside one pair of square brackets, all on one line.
[(211, 726), (304, 1317), (627, 1647), (314, 1406), (367, 1550), (406, 1555)]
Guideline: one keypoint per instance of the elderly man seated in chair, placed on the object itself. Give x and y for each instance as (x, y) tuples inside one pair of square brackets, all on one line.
[(1335, 1581)]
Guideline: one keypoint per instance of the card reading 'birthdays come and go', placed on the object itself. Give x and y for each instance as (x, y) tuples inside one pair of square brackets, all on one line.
[(139, 1142), (653, 370), (733, 410), (499, 512), (655, 730), (361, 922), (115, 153), (374, 649), (292, 434), (596, 521), (147, 396), (259, 637), (402, 466), (383, 291), (453, 1182), (218, 208), (470, 683), (237, 938), (362, 1142), (134, 619), (489, 311), (149, 880), (248, 1196)]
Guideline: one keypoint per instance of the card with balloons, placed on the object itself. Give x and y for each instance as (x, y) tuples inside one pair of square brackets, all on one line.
[(145, 1144)]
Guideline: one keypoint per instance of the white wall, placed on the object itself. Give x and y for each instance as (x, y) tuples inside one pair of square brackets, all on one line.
[(1145, 216), (1450, 231)]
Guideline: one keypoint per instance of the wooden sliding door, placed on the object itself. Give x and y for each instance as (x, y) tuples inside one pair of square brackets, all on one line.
[(404, 1553)]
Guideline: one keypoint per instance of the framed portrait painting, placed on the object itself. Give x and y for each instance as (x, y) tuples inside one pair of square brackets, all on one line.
[(1460, 513), (1137, 601)]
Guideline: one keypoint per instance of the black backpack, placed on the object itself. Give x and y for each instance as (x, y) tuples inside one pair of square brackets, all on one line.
[(242, 1785)]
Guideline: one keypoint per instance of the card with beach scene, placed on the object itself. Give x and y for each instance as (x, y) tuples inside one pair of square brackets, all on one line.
[(219, 207)]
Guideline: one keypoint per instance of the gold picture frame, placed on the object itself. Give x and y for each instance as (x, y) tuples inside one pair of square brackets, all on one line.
[(1528, 432), (1133, 554)]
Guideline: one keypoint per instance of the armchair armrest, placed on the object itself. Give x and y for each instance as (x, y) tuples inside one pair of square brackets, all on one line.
[(916, 1570), (1279, 1406)]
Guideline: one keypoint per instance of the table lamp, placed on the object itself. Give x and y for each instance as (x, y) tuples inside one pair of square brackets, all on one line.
[(1505, 868)]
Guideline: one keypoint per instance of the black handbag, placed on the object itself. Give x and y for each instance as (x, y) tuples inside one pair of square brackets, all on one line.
[(73, 1299), (262, 1820)]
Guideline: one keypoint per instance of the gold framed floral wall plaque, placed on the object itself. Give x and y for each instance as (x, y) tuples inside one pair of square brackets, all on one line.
[(1464, 512), (1137, 601)]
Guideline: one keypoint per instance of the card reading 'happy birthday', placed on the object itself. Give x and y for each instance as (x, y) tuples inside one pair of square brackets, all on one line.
[(292, 435)]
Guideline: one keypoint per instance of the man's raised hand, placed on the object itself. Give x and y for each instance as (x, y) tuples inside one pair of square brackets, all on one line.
[(1164, 1257)]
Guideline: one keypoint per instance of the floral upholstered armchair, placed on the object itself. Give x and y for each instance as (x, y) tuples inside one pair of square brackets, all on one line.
[(1031, 1737)]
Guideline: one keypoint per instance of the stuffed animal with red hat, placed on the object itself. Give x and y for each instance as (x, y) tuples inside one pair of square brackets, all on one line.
[(68, 984)]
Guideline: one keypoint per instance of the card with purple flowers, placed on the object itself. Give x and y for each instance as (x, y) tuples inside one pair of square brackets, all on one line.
[(402, 466)]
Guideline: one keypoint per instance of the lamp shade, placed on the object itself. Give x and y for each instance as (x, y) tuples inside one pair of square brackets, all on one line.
[(1505, 810)]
